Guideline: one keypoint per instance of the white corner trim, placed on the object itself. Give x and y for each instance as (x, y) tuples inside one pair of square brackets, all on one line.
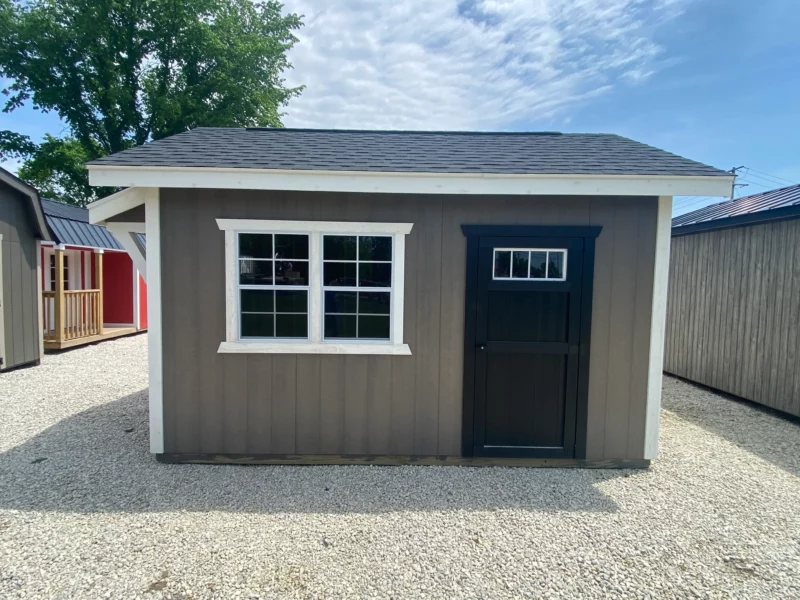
[(107, 207), (313, 226), (409, 183), (312, 348), (135, 284), (657, 327), (154, 348), (39, 299)]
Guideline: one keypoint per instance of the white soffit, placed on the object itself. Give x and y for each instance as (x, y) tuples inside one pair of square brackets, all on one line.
[(112, 205), (406, 183)]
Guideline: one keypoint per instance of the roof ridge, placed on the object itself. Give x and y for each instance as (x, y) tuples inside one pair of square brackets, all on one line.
[(390, 131)]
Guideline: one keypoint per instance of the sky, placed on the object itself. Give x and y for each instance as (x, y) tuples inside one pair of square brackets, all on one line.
[(717, 81)]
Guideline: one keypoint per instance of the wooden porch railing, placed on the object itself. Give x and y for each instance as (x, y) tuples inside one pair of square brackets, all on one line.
[(81, 316), (72, 314)]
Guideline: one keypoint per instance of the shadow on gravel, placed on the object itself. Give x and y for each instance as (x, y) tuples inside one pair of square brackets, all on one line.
[(761, 431), (98, 461)]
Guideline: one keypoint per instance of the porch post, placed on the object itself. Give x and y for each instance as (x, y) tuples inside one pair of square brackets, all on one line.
[(98, 277), (59, 299)]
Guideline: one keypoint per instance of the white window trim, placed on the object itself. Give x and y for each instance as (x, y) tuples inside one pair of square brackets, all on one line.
[(315, 344), (564, 251)]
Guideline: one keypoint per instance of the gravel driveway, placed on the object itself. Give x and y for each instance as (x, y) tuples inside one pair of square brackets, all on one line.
[(85, 512)]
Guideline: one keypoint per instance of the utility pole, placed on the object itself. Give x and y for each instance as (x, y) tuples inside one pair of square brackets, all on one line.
[(735, 171)]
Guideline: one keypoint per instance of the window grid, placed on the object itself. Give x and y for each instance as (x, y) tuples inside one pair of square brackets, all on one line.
[(530, 251), (357, 288), (274, 287)]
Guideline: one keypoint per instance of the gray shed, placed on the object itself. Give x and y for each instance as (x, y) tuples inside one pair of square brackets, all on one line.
[(402, 297), (22, 227), (734, 298)]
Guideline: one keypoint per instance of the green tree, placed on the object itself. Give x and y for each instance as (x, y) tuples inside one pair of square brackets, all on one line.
[(122, 72)]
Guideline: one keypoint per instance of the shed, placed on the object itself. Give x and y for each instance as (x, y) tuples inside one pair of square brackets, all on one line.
[(22, 228), (734, 298), (333, 296), (92, 291)]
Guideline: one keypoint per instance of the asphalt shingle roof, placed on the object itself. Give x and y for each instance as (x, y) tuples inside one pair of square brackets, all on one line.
[(70, 225), (409, 151), (764, 201)]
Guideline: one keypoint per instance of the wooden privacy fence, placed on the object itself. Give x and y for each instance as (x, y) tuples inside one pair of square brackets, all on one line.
[(81, 316)]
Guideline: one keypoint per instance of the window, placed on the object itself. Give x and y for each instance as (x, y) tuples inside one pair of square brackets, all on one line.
[(273, 285), (531, 264), (53, 272), (357, 280), (314, 287)]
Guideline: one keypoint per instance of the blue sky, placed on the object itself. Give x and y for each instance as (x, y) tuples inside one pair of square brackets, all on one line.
[(714, 80)]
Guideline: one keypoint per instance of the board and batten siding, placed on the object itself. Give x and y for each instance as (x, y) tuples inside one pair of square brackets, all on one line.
[(734, 309), (19, 273), (405, 405)]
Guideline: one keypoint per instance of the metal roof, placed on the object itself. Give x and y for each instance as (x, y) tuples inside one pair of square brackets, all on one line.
[(70, 225), (746, 205), (409, 151)]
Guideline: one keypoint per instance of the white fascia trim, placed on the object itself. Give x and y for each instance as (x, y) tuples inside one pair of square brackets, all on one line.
[(107, 207), (245, 225), (658, 326), (154, 358), (311, 348), (409, 183)]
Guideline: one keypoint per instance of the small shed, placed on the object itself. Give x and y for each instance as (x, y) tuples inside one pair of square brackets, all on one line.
[(330, 296), (91, 289), (22, 229), (733, 318)]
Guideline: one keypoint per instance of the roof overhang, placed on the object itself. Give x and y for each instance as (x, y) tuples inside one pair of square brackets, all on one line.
[(35, 204), (112, 205), (785, 213), (375, 182)]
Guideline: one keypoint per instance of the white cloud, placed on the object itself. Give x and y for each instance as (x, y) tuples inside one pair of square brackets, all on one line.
[(466, 64)]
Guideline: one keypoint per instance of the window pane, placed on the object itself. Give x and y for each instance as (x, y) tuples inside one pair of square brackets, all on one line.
[(255, 272), (291, 246), (291, 301), (502, 263), (339, 247), (375, 328), (374, 248), (257, 325), (556, 265), (374, 274), (291, 272), (340, 302), (519, 266), (341, 274), (340, 326), (376, 303), (291, 326), (255, 245), (257, 301), (538, 264)]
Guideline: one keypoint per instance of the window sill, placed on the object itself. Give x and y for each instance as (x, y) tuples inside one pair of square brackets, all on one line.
[(312, 348)]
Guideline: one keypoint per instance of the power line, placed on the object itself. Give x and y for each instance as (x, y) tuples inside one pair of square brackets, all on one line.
[(772, 176), (772, 182)]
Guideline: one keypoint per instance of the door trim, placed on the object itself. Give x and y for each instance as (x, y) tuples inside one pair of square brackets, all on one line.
[(474, 233)]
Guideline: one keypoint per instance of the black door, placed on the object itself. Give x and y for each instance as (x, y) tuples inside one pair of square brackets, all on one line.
[(526, 344)]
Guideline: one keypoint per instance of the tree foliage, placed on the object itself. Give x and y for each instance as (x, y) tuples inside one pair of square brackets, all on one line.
[(122, 72)]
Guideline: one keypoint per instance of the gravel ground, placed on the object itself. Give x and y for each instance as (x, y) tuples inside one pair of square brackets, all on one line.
[(85, 512)]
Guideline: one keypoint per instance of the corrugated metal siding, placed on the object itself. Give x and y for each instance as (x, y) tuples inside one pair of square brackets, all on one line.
[(734, 310), (306, 404), (20, 287)]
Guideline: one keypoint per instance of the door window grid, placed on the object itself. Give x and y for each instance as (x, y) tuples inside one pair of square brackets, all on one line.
[(530, 264), (342, 323), (53, 273), (277, 266)]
